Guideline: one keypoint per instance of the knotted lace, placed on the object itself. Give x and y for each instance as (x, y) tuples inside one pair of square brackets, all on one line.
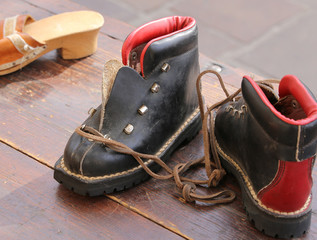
[(188, 186)]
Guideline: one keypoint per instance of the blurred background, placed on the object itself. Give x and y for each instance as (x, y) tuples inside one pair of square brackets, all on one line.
[(270, 38)]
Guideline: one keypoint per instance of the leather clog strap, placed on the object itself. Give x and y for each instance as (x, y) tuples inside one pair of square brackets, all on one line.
[(17, 48), (14, 24)]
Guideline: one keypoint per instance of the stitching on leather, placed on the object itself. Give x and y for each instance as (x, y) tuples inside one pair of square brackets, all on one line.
[(252, 192), (162, 149), (297, 144), (27, 57), (277, 178)]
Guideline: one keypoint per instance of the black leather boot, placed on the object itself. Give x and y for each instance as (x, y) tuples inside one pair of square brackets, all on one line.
[(150, 106), (269, 144)]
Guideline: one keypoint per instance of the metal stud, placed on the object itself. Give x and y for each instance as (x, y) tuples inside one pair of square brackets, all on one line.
[(295, 104), (26, 47), (134, 55), (142, 110), (165, 67), (91, 111), (128, 129), (155, 88)]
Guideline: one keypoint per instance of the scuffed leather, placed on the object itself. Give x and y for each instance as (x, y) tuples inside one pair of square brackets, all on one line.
[(168, 109), (169, 47), (258, 139)]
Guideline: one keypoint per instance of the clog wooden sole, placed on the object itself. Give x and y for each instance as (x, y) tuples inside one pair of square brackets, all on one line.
[(74, 33)]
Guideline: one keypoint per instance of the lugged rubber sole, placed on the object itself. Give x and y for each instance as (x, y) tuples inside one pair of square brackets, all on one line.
[(96, 186), (271, 224)]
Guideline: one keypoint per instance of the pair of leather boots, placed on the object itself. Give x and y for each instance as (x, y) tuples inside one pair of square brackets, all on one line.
[(152, 103)]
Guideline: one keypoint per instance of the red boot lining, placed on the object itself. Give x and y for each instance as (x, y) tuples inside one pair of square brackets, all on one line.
[(154, 31), (290, 85)]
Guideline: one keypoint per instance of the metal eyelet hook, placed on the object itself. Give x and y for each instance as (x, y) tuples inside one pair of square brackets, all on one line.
[(165, 67), (142, 110), (229, 108), (128, 129), (244, 108), (92, 111), (155, 88)]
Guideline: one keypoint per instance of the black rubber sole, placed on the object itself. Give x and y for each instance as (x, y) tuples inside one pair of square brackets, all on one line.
[(274, 225), (97, 187)]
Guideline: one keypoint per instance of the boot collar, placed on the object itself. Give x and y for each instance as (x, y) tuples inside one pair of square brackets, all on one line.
[(163, 38), (289, 85)]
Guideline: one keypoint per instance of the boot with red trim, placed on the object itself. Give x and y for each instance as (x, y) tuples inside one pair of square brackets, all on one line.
[(269, 144), (149, 107)]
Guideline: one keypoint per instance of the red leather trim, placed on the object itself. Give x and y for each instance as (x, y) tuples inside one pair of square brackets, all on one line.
[(154, 31), (291, 187), (290, 85)]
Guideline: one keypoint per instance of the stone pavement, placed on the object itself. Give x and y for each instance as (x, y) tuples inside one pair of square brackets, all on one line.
[(271, 38)]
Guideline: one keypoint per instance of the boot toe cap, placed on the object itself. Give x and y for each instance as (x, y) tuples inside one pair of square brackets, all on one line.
[(92, 159)]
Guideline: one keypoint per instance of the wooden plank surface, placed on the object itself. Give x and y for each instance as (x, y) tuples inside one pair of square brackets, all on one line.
[(35, 207), (42, 104)]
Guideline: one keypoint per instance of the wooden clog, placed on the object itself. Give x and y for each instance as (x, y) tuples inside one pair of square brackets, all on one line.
[(74, 33)]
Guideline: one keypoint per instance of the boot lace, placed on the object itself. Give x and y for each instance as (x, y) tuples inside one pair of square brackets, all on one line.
[(187, 186)]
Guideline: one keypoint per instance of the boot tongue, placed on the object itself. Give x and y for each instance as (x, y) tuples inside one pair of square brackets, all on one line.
[(291, 86), (111, 69), (269, 92)]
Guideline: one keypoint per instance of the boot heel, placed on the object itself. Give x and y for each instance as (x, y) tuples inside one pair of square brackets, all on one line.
[(79, 45)]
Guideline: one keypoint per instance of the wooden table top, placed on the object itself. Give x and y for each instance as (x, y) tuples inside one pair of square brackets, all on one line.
[(42, 104)]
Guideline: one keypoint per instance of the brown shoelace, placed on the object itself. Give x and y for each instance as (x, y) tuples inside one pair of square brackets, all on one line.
[(214, 170), (211, 143)]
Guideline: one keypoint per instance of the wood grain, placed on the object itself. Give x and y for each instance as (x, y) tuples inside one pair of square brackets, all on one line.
[(35, 207), (160, 200), (41, 105)]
